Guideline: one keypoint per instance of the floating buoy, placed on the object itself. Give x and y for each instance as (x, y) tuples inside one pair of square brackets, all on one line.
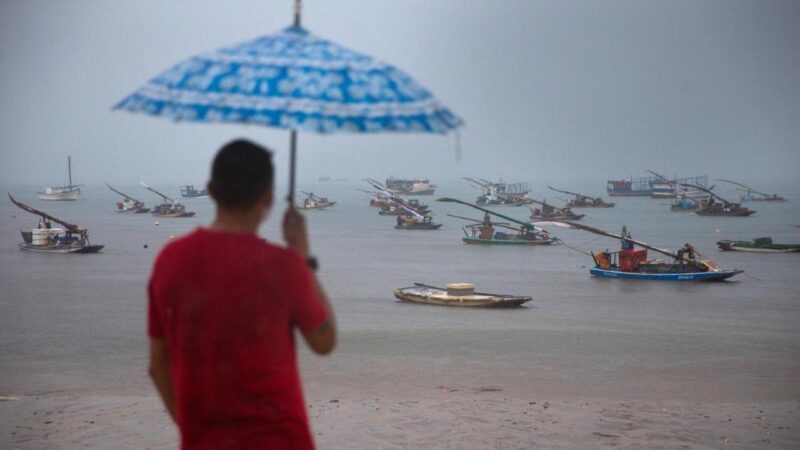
[(156, 222), (716, 230), (145, 245), (172, 236)]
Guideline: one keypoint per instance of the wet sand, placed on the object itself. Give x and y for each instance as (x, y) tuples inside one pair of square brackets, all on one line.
[(417, 402), (478, 417)]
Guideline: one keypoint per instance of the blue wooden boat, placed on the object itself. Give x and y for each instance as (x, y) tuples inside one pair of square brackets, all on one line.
[(631, 261), (668, 276)]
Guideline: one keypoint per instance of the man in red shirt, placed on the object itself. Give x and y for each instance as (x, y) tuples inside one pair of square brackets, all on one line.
[(223, 305)]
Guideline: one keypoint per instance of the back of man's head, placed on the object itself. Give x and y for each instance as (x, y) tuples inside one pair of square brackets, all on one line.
[(240, 174)]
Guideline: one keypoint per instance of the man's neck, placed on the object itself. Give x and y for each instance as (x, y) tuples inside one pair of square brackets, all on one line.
[(237, 222)]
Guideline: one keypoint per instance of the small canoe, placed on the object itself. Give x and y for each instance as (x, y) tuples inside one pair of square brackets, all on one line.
[(758, 245), (457, 294), (665, 276)]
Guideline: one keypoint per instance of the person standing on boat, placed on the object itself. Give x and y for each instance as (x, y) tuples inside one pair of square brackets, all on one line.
[(223, 307)]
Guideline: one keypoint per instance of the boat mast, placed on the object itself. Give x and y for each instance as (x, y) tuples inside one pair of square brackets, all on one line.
[(69, 169)]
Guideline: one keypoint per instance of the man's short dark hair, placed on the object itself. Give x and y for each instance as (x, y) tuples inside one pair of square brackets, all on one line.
[(241, 173)]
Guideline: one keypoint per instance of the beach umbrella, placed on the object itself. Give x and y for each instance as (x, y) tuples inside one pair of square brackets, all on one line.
[(294, 80)]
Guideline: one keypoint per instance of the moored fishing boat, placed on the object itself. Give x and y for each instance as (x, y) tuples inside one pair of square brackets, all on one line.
[(314, 202), (415, 221), (584, 201), (129, 204), (631, 261), (752, 195), (391, 204), (457, 294), (721, 208), (484, 232), (69, 192), (758, 245), (188, 191), (169, 208), (550, 212), (48, 239), (500, 193)]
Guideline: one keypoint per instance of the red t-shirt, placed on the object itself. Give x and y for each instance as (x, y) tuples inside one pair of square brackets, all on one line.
[(226, 304)]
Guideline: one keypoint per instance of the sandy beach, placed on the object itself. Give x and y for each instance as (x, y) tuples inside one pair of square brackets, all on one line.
[(413, 402), (479, 418)]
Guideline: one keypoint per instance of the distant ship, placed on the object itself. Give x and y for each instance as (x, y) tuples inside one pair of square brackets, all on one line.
[(68, 193)]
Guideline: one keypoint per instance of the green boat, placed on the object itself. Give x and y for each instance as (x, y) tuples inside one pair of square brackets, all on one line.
[(758, 245), (485, 232)]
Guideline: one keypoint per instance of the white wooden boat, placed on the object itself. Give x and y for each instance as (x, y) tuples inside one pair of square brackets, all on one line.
[(69, 192), (457, 294)]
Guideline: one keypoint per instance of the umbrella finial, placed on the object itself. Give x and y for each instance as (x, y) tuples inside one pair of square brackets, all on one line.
[(297, 9)]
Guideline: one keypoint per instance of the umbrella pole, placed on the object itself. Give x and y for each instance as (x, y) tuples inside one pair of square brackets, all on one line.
[(293, 135), (292, 164)]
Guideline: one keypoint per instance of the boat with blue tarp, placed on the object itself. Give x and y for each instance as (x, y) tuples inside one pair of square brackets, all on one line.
[(632, 262)]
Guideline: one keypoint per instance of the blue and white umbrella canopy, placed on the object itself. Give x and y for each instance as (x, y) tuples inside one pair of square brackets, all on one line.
[(297, 81)]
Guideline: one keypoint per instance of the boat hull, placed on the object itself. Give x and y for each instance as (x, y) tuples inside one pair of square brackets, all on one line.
[(744, 246), (734, 213), (684, 276), (318, 207), (599, 205), (69, 196), (478, 241), (60, 249), (134, 210), (437, 297), (176, 216), (419, 226)]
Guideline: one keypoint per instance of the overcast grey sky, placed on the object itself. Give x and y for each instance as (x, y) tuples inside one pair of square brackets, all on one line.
[(548, 89)]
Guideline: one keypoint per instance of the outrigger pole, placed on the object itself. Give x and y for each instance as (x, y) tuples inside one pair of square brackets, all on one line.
[(569, 193), (746, 187), (71, 227), (525, 225), (708, 191), (121, 193), (158, 193)]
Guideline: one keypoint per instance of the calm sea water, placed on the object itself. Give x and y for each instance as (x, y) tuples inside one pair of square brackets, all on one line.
[(76, 322)]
